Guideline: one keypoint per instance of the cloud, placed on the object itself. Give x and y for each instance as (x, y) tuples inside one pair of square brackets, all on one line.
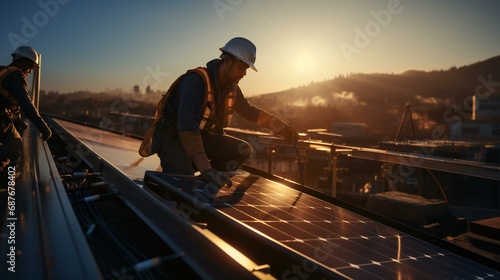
[(427, 100), (314, 101), (319, 101), (344, 95), (423, 121)]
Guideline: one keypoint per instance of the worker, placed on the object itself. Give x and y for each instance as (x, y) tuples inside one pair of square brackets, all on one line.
[(14, 98), (193, 138)]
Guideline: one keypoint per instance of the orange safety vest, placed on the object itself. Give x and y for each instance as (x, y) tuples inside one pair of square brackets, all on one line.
[(150, 142), (5, 70)]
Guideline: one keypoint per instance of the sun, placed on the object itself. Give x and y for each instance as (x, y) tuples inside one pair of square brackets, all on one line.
[(304, 62)]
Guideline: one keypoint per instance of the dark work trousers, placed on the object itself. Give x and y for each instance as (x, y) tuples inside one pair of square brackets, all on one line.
[(10, 142), (10, 147), (226, 153)]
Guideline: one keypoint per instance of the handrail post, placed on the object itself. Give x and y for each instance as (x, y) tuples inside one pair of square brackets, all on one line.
[(333, 168), (35, 89)]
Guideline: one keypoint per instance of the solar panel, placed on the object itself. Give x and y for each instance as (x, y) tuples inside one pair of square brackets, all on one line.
[(347, 243)]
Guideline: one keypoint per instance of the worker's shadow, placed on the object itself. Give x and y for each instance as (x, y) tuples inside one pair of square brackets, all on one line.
[(238, 193)]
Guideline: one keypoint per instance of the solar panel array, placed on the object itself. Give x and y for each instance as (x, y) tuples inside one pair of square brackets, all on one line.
[(348, 243)]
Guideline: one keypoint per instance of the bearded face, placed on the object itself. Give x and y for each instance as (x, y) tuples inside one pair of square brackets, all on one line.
[(236, 70)]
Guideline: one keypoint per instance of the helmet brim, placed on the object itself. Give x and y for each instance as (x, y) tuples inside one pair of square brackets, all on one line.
[(249, 63)]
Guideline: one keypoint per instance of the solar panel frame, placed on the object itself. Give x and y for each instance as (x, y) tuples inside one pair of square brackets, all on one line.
[(346, 242)]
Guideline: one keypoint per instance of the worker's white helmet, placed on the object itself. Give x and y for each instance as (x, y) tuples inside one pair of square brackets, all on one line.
[(242, 49), (26, 52)]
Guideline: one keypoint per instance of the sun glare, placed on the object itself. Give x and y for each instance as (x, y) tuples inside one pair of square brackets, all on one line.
[(304, 62)]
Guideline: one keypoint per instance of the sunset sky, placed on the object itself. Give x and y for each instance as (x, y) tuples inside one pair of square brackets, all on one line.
[(97, 45)]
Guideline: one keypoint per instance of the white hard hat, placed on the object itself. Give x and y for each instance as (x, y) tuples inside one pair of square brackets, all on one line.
[(242, 49), (26, 52)]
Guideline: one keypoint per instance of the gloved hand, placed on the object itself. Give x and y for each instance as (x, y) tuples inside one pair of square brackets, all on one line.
[(290, 135), (20, 124), (46, 135), (213, 176), (277, 126)]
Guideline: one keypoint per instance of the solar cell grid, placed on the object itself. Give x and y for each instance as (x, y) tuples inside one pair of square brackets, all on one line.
[(346, 242)]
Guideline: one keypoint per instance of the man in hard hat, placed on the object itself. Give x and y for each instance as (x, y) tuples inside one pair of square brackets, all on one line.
[(193, 138), (14, 97)]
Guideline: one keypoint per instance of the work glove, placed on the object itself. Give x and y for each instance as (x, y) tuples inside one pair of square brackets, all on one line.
[(277, 126), (46, 135), (290, 135), (213, 176)]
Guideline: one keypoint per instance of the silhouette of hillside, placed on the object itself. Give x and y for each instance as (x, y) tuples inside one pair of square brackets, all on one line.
[(379, 100)]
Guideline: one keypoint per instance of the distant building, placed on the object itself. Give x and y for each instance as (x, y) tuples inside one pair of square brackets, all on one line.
[(485, 121), (486, 109), (476, 130), (136, 89)]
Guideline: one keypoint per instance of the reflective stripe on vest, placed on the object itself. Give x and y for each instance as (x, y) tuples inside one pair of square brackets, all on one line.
[(209, 102), (231, 98), (209, 96)]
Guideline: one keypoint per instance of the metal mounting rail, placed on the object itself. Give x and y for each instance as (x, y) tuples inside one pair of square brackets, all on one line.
[(463, 167), (416, 159), (48, 241)]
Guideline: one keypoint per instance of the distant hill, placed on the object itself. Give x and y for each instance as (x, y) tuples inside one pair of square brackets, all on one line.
[(379, 99)]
